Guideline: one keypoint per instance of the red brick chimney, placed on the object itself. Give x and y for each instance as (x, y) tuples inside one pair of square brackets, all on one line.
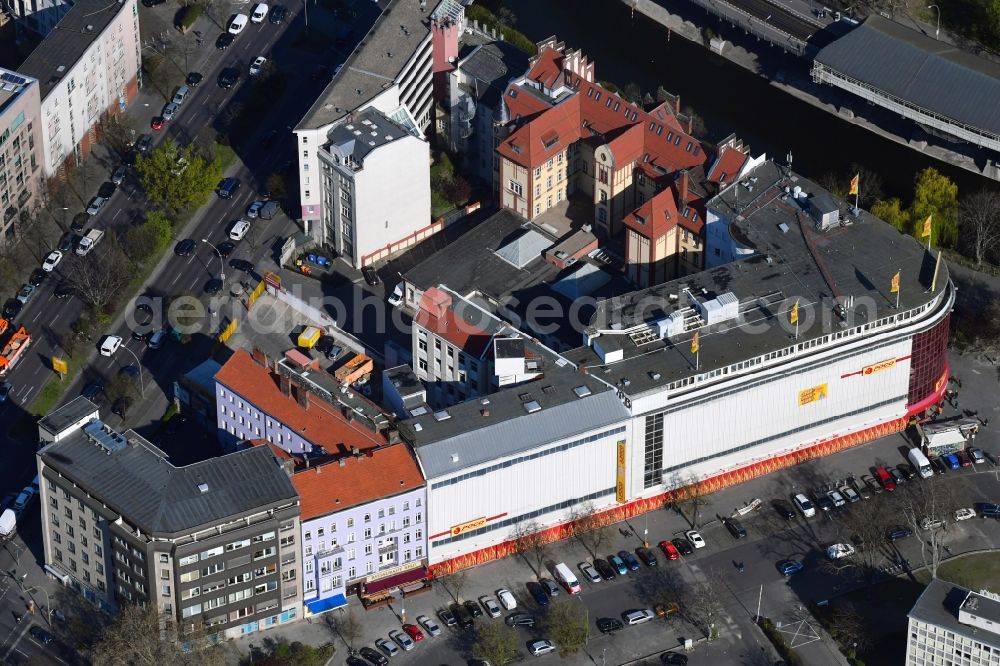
[(677, 105), (683, 182)]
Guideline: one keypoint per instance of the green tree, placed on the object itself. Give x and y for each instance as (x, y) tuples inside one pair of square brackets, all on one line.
[(891, 210), (566, 625), (178, 177), (495, 643), (935, 194), (146, 240)]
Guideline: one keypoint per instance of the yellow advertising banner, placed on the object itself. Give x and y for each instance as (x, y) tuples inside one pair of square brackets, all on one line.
[(812, 394), (620, 476), (468, 526), (878, 367), (60, 365)]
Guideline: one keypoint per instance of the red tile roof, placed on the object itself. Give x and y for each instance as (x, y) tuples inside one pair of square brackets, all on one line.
[(321, 423), (436, 315), (728, 164), (356, 480), (659, 215), (549, 133), (547, 68)]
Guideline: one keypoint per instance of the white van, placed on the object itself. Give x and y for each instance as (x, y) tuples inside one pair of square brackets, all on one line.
[(239, 230), (238, 23), (920, 463), (259, 13), (566, 577)]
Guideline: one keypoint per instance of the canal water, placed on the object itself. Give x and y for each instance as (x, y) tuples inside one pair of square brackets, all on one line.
[(729, 98)]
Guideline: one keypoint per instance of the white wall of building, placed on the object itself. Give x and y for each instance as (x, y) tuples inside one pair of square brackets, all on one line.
[(90, 86), (528, 486)]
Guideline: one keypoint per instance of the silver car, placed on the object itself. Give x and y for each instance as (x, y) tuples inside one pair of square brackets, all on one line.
[(95, 206), (387, 647), (836, 498), (169, 110), (403, 640), (429, 625)]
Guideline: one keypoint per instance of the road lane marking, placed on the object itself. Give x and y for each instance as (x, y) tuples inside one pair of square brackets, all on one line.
[(117, 213)]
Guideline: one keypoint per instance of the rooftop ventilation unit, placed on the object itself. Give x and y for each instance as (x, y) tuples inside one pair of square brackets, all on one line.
[(442, 415), (532, 406), (203, 487), (582, 391)]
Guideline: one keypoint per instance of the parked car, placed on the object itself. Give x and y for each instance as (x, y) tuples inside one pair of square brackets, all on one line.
[(278, 14), (835, 497), (413, 631), (520, 620), (157, 123), (694, 536), (145, 143), (506, 599), (5, 389), (37, 277), (194, 78), (110, 345), (253, 210), (789, 567), (804, 506), (473, 608), (541, 646), (898, 532), (491, 606), (371, 277), (180, 95), (605, 569), (606, 625), (51, 261), (618, 564), (463, 616), (939, 465), (387, 647), (906, 471), (638, 616), (257, 66), (988, 509), (12, 308), (963, 458), (849, 494), (647, 557), (228, 77), (885, 479), (735, 528), (630, 560), (839, 550), (537, 593), (872, 484), (860, 488), (447, 617), (930, 523), (169, 111), (824, 502), (185, 247), (674, 659), (95, 205), (402, 640), (952, 461), (224, 41), (683, 545), (897, 476), (670, 550), (783, 509), (40, 635), (964, 514), (589, 572), (977, 456), (373, 656)]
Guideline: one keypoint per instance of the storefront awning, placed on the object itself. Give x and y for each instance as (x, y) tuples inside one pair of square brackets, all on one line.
[(317, 606), (400, 579)]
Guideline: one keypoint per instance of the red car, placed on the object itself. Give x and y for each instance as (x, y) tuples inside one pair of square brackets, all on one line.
[(414, 632), (883, 476), (670, 550), (963, 458), (157, 123)]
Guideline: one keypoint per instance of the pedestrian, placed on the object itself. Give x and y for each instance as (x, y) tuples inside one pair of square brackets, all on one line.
[(740, 567)]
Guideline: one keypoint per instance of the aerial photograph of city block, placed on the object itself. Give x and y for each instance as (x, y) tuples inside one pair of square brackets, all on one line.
[(486, 332)]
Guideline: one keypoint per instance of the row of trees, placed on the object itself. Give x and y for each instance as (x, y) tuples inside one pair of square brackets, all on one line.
[(969, 224)]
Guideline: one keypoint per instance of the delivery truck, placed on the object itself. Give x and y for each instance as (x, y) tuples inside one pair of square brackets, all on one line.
[(88, 242), (920, 463), (566, 577)]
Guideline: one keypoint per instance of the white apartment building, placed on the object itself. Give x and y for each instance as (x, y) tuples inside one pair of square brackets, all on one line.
[(38, 16), (952, 625), (87, 68), (370, 200), (391, 71), (20, 148)]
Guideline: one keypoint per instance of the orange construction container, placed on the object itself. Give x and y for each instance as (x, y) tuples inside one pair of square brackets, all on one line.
[(13, 350), (356, 368)]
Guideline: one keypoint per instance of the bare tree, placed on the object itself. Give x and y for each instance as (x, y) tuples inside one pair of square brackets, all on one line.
[(591, 529), (347, 626), (702, 603), (979, 224), (530, 544), (847, 628), (928, 507), (41, 235), (140, 637), (455, 583), (692, 495), (867, 521), (99, 282)]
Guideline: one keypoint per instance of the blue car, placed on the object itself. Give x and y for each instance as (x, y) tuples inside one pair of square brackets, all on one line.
[(952, 461), (788, 567), (630, 560), (538, 594), (617, 564)]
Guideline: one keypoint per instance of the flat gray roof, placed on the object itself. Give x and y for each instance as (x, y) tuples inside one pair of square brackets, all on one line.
[(471, 262), (360, 134), (792, 261), (929, 73), (492, 66), (137, 481), (499, 425), (940, 603), (375, 64), (69, 40), (65, 416)]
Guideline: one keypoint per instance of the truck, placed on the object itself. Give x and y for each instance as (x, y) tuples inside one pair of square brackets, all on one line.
[(13, 350), (309, 336), (566, 577), (88, 242), (8, 524), (357, 367), (920, 463)]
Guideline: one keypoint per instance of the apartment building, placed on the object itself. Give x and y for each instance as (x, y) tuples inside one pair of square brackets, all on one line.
[(298, 408), (392, 70), (87, 68), (213, 546), (568, 135), (21, 184), (369, 210), (37, 16), (951, 625), (363, 529)]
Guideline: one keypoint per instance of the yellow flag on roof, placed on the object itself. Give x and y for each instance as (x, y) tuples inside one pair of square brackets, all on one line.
[(694, 344), (855, 183)]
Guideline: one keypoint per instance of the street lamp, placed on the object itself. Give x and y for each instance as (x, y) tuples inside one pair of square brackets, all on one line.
[(48, 605), (222, 265), (142, 389), (937, 31)]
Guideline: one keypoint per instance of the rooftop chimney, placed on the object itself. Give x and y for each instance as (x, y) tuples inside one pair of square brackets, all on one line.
[(302, 396), (285, 385), (343, 462), (677, 106), (682, 187), (355, 451)]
